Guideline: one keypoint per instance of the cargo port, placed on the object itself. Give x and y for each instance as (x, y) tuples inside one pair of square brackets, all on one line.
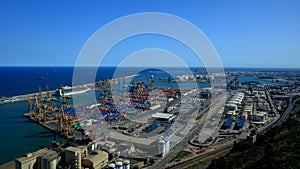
[(149, 113), (133, 123)]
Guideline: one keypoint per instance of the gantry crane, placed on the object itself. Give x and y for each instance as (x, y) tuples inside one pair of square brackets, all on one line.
[(40, 112), (30, 106), (65, 124), (42, 99), (48, 93)]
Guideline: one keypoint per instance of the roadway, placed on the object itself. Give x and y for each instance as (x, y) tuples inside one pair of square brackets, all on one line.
[(285, 115), (270, 100)]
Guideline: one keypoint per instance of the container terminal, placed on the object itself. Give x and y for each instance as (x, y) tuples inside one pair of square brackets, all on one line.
[(78, 124), (146, 126)]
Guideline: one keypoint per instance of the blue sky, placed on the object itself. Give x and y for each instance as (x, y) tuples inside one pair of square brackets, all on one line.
[(250, 33)]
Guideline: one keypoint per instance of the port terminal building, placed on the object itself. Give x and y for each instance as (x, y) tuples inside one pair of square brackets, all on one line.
[(163, 117)]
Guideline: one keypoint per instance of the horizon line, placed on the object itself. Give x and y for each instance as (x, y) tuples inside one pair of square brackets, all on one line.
[(225, 67)]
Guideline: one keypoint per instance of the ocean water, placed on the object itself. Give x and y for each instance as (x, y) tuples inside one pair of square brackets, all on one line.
[(23, 80), (253, 79), (18, 134)]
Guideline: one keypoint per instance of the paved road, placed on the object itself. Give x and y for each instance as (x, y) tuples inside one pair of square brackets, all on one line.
[(285, 115), (270, 100)]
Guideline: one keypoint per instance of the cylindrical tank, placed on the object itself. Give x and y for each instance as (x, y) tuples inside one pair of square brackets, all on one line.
[(52, 164), (167, 140), (161, 147), (119, 165), (92, 146), (111, 166), (126, 164)]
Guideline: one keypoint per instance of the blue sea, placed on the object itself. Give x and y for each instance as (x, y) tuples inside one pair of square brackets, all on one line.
[(23, 80), (20, 135)]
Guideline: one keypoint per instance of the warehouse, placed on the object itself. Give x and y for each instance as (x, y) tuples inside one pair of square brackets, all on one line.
[(163, 117)]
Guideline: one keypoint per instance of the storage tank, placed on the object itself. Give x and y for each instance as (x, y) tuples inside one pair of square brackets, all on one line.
[(111, 166), (92, 146), (126, 164), (119, 165), (167, 144), (52, 164), (161, 147)]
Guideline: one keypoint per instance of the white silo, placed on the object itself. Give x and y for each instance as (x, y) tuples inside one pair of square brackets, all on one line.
[(119, 165), (111, 166), (167, 144), (126, 164), (52, 163), (92, 146), (161, 147)]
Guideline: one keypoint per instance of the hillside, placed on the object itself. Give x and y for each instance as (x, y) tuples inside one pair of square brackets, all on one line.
[(277, 148)]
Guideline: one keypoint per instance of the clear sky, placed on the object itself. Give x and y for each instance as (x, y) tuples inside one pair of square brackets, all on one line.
[(249, 33)]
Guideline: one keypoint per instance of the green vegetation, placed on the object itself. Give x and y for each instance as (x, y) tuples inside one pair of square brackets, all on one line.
[(278, 148), (296, 109), (135, 167)]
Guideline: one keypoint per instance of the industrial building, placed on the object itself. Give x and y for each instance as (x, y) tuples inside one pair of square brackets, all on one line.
[(29, 160), (233, 104), (164, 117), (49, 160), (239, 124), (248, 108), (97, 159), (260, 117), (227, 124), (237, 98), (73, 157), (70, 157), (231, 109)]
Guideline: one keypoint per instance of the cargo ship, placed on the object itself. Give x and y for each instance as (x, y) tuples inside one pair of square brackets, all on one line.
[(67, 90)]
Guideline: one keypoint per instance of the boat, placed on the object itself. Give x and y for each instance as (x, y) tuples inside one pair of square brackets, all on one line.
[(67, 90), (40, 78)]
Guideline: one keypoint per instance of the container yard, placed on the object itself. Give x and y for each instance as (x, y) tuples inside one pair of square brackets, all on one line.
[(143, 116)]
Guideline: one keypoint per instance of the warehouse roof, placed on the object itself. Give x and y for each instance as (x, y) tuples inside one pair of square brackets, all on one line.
[(162, 115)]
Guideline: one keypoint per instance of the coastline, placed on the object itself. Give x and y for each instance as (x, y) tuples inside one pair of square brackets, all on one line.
[(23, 97), (8, 165)]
